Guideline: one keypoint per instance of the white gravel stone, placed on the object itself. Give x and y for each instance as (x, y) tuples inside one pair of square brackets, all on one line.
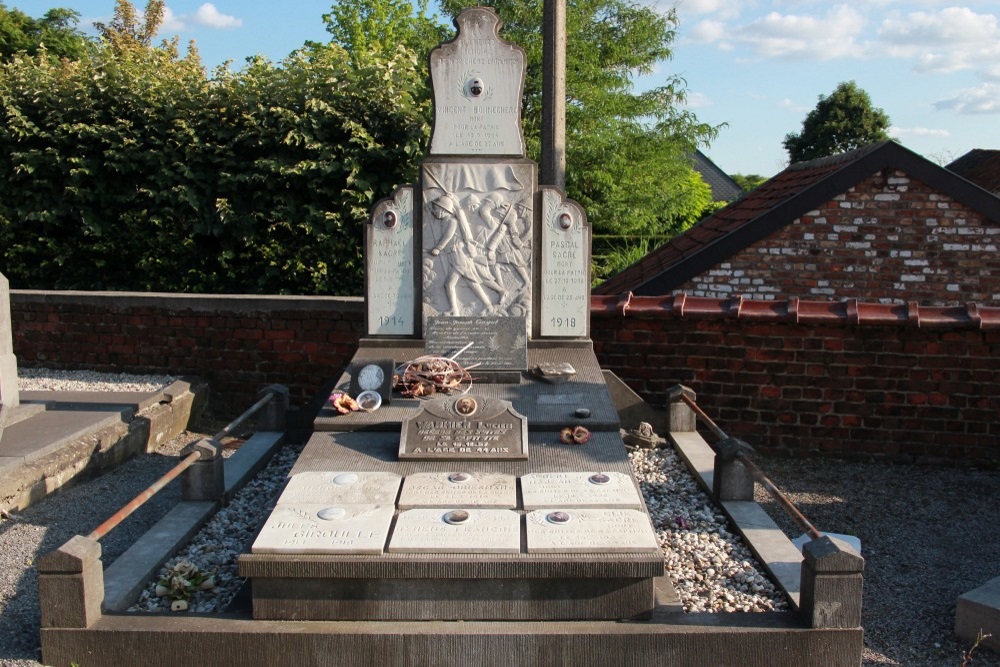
[(47, 379)]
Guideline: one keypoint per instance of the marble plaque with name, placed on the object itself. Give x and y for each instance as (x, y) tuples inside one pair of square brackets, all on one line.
[(465, 427), (565, 258), (456, 531), (321, 528), (342, 488), (589, 530), (390, 274), (459, 489), (579, 490), (498, 343), (478, 81)]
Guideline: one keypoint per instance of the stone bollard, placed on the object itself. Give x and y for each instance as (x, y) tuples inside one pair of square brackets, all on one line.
[(206, 479), (272, 417), (71, 584), (732, 480), (831, 584), (9, 396), (682, 418)]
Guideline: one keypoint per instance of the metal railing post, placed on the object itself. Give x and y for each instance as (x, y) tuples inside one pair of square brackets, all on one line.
[(206, 478), (71, 584), (682, 418), (273, 416), (831, 584)]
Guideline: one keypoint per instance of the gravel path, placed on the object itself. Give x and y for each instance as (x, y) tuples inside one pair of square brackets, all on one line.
[(927, 534)]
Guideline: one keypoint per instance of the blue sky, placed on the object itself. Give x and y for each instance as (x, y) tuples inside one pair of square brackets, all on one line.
[(758, 66)]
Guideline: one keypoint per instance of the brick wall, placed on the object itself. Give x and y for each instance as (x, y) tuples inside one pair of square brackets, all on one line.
[(900, 382), (849, 379), (236, 343), (891, 235)]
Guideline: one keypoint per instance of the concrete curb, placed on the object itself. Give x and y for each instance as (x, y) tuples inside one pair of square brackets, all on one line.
[(127, 576)]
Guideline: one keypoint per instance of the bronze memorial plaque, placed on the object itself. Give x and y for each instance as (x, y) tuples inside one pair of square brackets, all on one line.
[(465, 427)]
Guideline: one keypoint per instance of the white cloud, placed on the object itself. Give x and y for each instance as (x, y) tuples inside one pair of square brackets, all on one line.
[(983, 99), (171, 22), (945, 41), (706, 32), (698, 101), (952, 26), (722, 9), (800, 36), (208, 15), (905, 132)]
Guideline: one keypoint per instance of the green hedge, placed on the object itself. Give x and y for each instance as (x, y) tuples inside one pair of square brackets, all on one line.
[(135, 171)]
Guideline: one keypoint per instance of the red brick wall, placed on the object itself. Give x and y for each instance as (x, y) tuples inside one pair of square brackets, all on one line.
[(237, 343), (891, 235), (794, 377), (900, 392)]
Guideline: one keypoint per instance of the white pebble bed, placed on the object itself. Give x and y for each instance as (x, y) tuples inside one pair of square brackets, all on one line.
[(712, 570), (46, 379)]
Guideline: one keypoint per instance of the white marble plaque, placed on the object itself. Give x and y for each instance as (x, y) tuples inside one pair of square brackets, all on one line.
[(579, 489), (478, 82), (390, 277), (570, 530), (565, 257), (456, 531), (342, 488), (459, 489), (321, 528)]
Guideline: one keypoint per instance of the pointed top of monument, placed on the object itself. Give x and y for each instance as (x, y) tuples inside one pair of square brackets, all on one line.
[(478, 83)]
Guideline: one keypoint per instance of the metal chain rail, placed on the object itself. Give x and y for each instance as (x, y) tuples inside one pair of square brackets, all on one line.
[(173, 473), (756, 472)]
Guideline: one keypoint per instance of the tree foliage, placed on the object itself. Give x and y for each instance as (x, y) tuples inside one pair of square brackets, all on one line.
[(54, 35), (748, 182), (133, 170), (841, 122)]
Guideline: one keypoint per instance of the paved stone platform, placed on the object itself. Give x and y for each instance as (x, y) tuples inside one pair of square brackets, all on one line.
[(69, 433), (979, 610)]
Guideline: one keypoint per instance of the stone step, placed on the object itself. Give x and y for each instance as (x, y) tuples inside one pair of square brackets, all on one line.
[(979, 610)]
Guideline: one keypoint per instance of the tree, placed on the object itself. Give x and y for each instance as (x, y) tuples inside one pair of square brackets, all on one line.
[(841, 122), (54, 34), (748, 182), (378, 27)]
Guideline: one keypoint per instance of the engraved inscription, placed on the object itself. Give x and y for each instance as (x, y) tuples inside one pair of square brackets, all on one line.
[(439, 431), (306, 528), (565, 284), (589, 530), (390, 266), (456, 531), (435, 489), (579, 489)]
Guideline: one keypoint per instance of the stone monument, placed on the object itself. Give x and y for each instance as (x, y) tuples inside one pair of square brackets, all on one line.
[(9, 397), (469, 504)]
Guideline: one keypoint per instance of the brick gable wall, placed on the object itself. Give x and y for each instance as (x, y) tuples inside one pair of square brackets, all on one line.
[(890, 239)]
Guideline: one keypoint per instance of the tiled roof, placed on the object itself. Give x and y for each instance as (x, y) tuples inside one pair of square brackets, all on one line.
[(980, 166), (723, 187), (798, 189)]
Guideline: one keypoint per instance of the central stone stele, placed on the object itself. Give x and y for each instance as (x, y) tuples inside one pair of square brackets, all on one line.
[(467, 505)]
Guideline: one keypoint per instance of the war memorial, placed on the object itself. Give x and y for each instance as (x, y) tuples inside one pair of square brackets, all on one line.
[(466, 496)]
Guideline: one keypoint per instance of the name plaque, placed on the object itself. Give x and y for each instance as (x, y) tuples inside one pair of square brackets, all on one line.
[(579, 490), (456, 531), (565, 257), (342, 488), (465, 427), (390, 279), (459, 489), (589, 530), (498, 343), (478, 80), (320, 528)]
